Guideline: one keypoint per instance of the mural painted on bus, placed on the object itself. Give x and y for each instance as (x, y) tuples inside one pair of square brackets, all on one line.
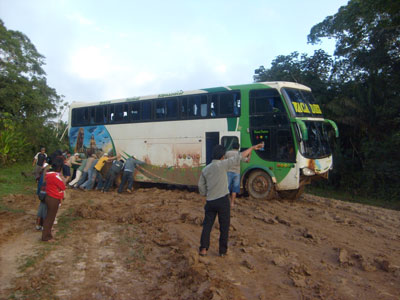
[(90, 140)]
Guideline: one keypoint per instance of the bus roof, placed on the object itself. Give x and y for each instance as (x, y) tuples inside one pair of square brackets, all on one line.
[(271, 84)]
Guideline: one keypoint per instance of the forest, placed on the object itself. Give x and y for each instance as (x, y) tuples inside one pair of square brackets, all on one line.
[(358, 87)]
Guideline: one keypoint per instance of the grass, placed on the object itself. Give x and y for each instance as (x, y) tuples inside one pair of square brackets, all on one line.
[(13, 182)]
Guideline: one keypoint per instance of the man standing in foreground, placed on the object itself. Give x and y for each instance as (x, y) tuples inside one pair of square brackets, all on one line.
[(213, 184)]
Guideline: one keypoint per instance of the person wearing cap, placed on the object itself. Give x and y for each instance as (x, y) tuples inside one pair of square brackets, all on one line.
[(97, 170), (213, 184), (127, 176)]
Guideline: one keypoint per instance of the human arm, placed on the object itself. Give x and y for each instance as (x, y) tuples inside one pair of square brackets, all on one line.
[(202, 185), (246, 153)]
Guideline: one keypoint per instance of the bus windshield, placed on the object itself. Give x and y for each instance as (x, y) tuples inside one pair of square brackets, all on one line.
[(302, 103), (317, 145)]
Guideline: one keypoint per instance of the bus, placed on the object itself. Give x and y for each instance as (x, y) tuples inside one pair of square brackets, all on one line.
[(174, 134)]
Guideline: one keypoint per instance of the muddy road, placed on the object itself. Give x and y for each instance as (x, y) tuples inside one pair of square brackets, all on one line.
[(144, 246)]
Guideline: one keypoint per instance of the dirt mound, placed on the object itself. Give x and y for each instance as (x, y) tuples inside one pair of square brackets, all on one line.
[(145, 246)]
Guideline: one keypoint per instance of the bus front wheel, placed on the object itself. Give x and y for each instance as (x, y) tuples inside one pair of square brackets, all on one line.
[(259, 185)]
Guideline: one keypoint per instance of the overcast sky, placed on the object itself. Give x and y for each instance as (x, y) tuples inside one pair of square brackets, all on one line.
[(100, 50)]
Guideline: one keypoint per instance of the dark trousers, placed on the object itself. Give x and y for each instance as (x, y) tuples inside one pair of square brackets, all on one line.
[(109, 180), (52, 208), (126, 177), (222, 208)]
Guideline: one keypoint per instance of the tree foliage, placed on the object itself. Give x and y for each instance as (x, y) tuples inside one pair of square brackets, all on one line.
[(25, 97), (359, 88)]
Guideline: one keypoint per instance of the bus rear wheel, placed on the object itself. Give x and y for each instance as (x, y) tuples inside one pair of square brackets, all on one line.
[(259, 185)]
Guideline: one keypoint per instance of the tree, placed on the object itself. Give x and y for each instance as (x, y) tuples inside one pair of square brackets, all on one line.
[(367, 72), (25, 97)]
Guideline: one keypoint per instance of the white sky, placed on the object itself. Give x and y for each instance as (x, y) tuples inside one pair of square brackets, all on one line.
[(99, 50)]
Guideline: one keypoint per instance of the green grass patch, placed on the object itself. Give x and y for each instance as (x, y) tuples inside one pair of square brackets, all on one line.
[(12, 181), (329, 192)]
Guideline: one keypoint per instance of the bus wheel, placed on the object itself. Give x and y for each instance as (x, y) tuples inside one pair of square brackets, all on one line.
[(259, 185)]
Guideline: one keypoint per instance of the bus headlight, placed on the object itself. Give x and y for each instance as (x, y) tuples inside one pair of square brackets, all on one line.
[(308, 172)]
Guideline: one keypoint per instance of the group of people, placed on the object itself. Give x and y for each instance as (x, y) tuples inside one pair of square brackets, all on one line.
[(61, 170), (218, 180)]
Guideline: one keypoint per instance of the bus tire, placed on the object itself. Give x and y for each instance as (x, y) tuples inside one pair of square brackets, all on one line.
[(259, 185)]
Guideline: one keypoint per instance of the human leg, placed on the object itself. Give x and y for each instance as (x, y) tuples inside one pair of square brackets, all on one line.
[(52, 208), (82, 179), (77, 177), (130, 181), (224, 217), (123, 181), (110, 181), (235, 187), (209, 217)]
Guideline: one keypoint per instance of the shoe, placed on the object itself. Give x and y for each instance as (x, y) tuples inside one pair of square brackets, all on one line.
[(55, 221), (203, 252), (222, 254), (129, 191), (38, 227)]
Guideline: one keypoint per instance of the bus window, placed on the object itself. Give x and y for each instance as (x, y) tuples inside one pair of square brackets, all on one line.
[(214, 106), (146, 110), (100, 117), (125, 115), (172, 108), (194, 106), (227, 141), (183, 107), (265, 101), (134, 111), (111, 114), (229, 104), (203, 106), (80, 116), (285, 146), (160, 110), (91, 115), (118, 113)]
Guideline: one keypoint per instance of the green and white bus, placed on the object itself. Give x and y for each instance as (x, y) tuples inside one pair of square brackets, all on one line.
[(174, 134)]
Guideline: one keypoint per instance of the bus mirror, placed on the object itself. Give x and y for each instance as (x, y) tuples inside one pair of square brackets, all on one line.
[(333, 124), (303, 128)]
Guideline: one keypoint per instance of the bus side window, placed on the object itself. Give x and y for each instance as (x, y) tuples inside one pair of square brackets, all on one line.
[(214, 106), (183, 107), (146, 110), (91, 115), (172, 108), (236, 104), (227, 141), (125, 110), (160, 110), (82, 116), (99, 117), (111, 114), (203, 106), (285, 146), (226, 104), (134, 111), (194, 106)]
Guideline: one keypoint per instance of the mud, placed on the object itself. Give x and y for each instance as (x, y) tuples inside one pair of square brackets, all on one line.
[(144, 246)]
